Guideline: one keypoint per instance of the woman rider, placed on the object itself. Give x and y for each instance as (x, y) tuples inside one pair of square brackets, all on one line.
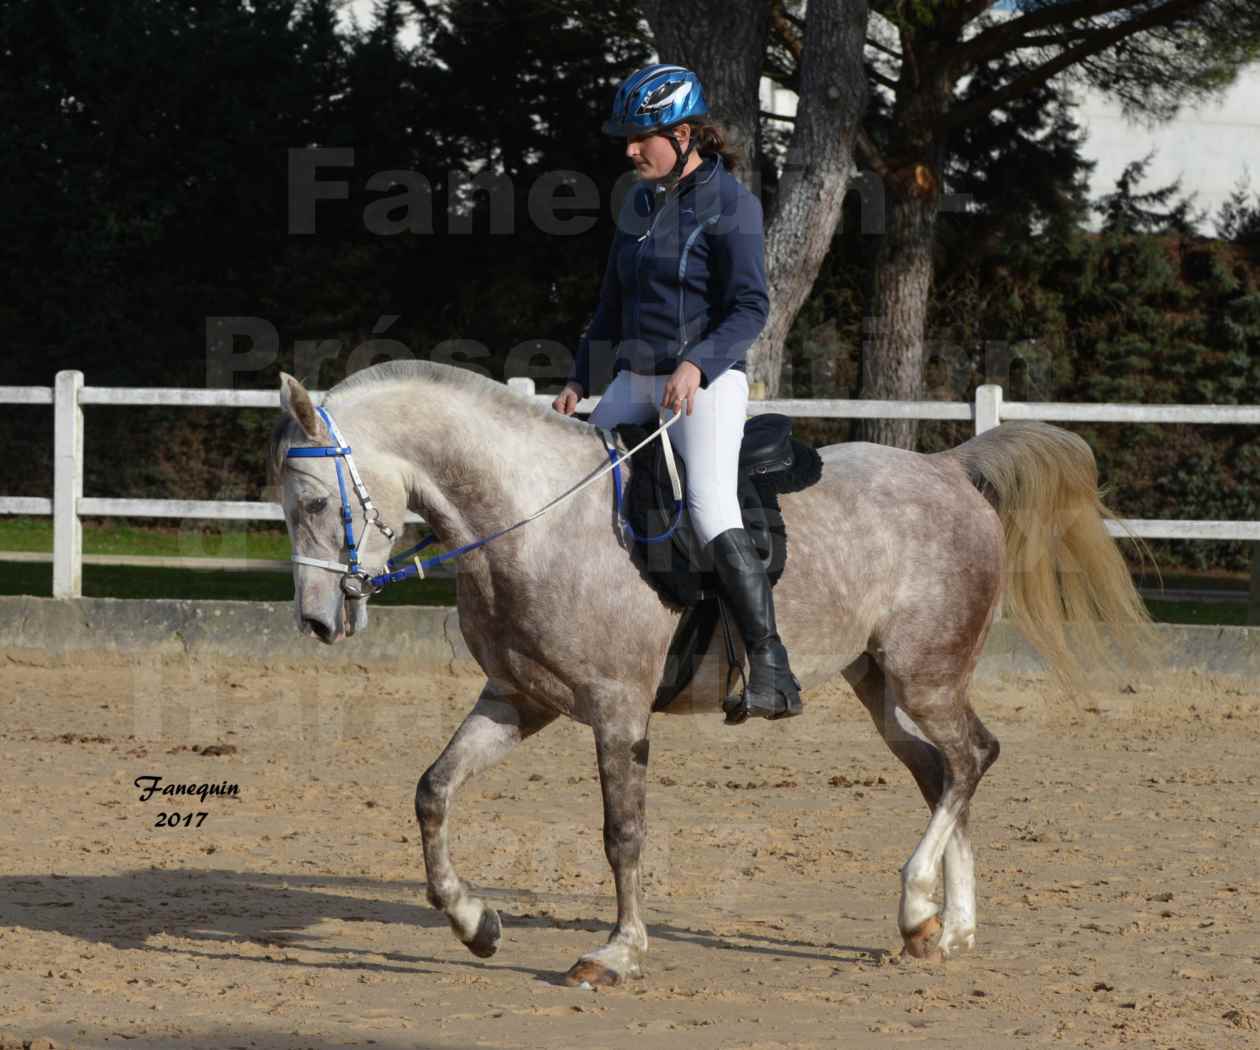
[(683, 298)]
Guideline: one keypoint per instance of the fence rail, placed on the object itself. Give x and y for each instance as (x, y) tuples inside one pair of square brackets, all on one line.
[(68, 505)]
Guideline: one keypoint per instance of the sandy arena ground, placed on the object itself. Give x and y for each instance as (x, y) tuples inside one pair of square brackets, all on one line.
[(1116, 850)]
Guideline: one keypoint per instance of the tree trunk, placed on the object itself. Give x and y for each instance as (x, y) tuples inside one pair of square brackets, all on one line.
[(716, 38), (724, 43), (892, 350), (816, 174), (901, 286)]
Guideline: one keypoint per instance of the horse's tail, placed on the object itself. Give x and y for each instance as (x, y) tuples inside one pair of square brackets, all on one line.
[(1062, 565)]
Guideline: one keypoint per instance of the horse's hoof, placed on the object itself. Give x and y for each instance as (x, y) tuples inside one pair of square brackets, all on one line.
[(922, 943), (591, 974), (956, 942), (485, 942)]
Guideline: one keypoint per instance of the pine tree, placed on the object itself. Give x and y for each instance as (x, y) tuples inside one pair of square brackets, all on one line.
[(1001, 258), (520, 90), (323, 51), (1164, 210), (1151, 55), (1020, 171), (1238, 219), (1000, 264)]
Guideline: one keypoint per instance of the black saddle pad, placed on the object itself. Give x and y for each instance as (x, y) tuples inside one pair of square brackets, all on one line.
[(771, 462)]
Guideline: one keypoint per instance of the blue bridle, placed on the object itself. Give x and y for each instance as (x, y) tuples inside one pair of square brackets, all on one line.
[(357, 582)]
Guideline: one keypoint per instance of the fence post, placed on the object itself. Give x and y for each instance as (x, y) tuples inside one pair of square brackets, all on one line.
[(989, 415), (1253, 602), (988, 407), (521, 385), (67, 486)]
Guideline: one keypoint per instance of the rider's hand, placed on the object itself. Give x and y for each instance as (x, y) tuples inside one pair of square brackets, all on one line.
[(568, 399), (681, 388)]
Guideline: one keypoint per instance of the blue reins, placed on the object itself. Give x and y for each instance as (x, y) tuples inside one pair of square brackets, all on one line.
[(357, 582)]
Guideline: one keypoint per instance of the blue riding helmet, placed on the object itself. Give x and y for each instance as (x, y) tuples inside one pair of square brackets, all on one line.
[(655, 97)]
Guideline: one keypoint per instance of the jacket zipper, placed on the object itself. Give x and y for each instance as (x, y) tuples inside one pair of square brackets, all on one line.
[(682, 263), (638, 257), (682, 288)]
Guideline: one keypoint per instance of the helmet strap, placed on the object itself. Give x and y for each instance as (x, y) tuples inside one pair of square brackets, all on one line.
[(671, 180)]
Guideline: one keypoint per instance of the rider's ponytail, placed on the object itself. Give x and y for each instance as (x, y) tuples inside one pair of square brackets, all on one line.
[(711, 137)]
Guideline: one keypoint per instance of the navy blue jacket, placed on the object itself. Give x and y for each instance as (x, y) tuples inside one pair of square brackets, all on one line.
[(686, 280)]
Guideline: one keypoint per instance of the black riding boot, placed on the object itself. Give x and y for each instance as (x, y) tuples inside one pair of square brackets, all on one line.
[(772, 691)]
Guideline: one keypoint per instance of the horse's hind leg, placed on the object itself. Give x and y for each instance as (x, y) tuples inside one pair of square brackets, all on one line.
[(958, 932), (493, 727), (928, 765)]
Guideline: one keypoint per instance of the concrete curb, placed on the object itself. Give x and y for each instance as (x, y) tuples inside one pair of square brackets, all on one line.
[(53, 632), (1185, 647)]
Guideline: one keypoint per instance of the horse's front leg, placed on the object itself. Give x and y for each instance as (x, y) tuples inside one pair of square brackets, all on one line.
[(493, 727), (621, 746)]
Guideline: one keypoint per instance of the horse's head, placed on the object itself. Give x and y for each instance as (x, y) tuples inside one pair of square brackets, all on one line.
[(328, 600)]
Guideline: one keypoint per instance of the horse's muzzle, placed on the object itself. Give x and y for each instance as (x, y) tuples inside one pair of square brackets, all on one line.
[(324, 632)]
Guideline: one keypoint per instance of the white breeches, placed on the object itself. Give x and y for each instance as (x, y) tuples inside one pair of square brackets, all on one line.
[(708, 440)]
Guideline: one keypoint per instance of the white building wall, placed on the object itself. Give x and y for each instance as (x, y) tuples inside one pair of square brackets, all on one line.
[(1207, 148)]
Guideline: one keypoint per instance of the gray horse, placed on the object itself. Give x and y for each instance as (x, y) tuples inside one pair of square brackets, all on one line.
[(897, 564)]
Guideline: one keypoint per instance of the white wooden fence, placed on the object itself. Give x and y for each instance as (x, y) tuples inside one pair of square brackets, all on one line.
[(68, 505)]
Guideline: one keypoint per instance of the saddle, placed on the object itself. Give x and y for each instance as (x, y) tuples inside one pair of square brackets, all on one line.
[(771, 462)]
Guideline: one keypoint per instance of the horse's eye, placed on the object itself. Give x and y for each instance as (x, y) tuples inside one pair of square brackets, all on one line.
[(316, 506)]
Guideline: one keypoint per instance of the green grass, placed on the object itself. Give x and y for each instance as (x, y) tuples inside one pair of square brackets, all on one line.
[(1194, 581), (112, 581), (220, 539), (117, 581), (1212, 613), (256, 540), (228, 539)]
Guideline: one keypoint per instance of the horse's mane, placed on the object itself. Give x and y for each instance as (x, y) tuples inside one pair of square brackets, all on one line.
[(495, 397), (449, 376)]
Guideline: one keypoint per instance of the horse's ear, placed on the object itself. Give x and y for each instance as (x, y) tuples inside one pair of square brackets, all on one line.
[(297, 403)]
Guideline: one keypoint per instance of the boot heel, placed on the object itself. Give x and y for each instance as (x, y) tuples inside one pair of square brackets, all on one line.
[(782, 701), (792, 702)]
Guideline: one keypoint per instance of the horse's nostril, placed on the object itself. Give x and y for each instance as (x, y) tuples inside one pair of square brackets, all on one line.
[(322, 631)]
